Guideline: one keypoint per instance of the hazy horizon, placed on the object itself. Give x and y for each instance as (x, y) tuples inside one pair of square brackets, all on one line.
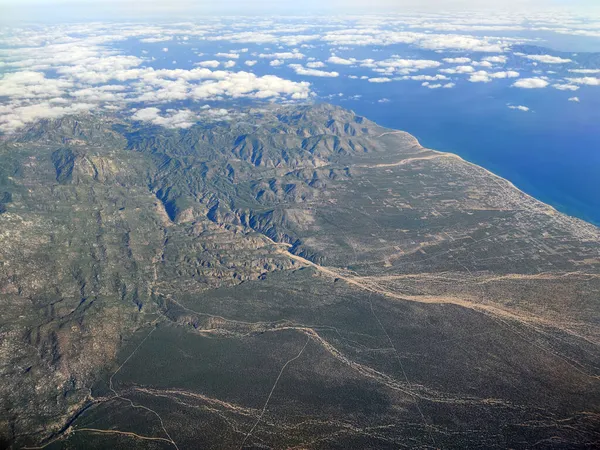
[(46, 10)]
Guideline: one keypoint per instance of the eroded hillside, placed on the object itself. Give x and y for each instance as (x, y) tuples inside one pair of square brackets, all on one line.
[(295, 277)]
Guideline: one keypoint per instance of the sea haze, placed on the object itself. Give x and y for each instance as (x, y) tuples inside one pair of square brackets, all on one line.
[(518, 96)]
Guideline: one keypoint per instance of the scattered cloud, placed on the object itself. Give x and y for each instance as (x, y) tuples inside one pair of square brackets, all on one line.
[(379, 80), (213, 64), (173, 119), (574, 99), (32, 85), (431, 41), (424, 77), (506, 74), (458, 69), (152, 40), (565, 87), (228, 55), (342, 61), (461, 60), (590, 81), (283, 55), (427, 84), (14, 117), (495, 59), (485, 77), (480, 77), (590, 71), (548, 59), (519, 107), (300, 70), (51, 71), (531, 83)]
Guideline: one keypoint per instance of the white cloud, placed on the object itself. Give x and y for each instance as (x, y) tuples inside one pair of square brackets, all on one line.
[(33, 96), (424, 77), (496, 59), (218, 113), (228, 55), (462, 60), (399, 64), (174, 119), (531, 83), (106, 93), (574, 99), (485, 77), (377, 36), (519, 107), (152, 40), (261, 37), (379, 80), (565, 87), (88, 72), (283, 55), (165, 49), (32, 85), (384, 100), (506, 74), (342, 61), (212, 63), (312, 72), (480, 77), (458, 69), (15, 117), (585, 70), (276, 62), (548, 59), (250, 63), (315, 64), (590, 81), (256, 37), (229, 64), (245, 84)]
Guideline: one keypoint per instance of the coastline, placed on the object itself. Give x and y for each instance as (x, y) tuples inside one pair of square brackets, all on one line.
[(552, 209)]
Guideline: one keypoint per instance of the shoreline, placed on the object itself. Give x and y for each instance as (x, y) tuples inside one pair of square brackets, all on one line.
[(507, 181)]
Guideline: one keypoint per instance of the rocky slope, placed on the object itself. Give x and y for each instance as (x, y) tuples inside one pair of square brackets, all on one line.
[(295, 230)]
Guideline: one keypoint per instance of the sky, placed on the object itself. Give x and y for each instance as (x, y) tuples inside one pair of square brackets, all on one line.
[(49, 10)]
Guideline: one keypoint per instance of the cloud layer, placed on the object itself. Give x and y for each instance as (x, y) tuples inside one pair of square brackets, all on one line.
[(54, 70)]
